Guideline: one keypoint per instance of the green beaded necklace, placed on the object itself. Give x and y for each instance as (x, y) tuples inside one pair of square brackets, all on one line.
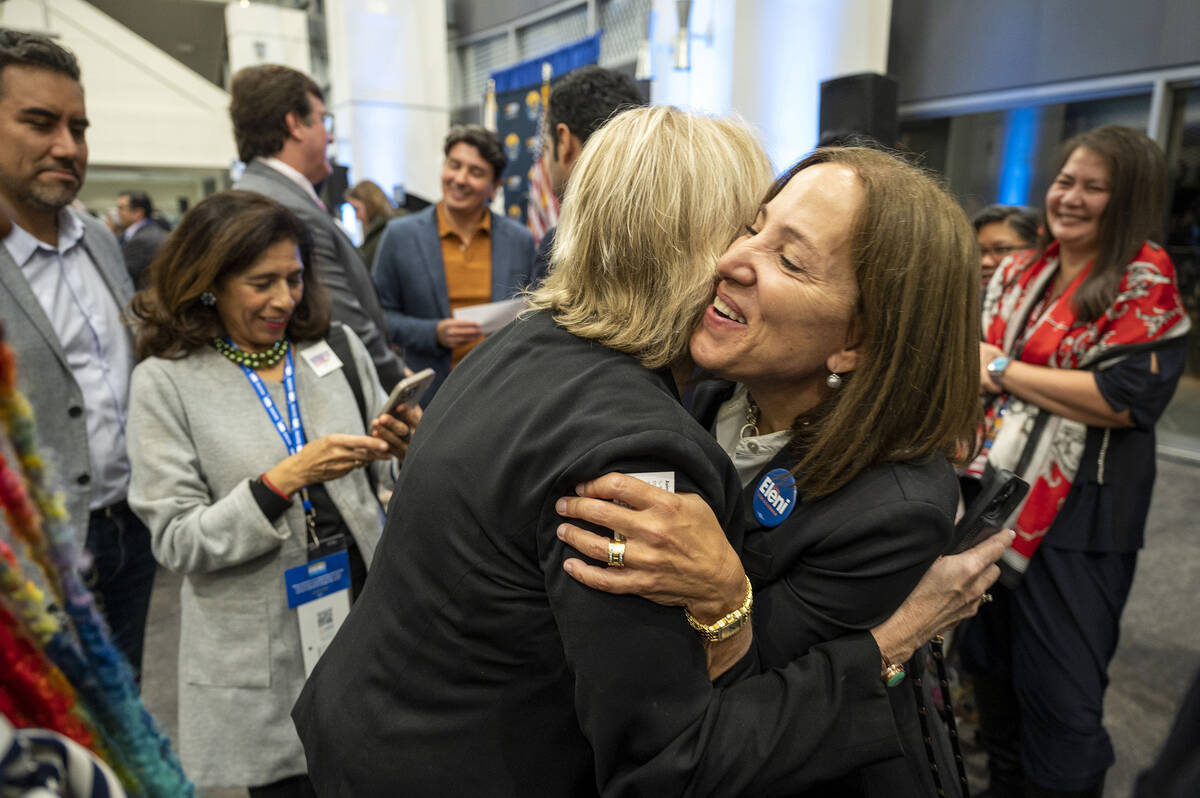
[(254, 360)]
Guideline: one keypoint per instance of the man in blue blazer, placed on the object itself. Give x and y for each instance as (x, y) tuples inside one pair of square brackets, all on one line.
[(451, 255)]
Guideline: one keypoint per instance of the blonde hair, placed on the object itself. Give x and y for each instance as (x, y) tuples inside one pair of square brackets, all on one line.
[(373, 199), (915, 389), (654, 200)]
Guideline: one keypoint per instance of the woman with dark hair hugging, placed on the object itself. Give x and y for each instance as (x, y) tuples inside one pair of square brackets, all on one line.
[(251, 453), (843, 323)]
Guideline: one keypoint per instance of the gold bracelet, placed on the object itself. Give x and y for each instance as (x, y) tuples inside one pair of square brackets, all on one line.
[(728, 626)]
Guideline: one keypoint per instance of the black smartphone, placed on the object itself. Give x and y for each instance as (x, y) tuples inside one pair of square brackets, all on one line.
[(998, 496)]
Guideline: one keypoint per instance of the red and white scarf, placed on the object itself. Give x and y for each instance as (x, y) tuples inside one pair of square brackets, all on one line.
[(1147, 309)]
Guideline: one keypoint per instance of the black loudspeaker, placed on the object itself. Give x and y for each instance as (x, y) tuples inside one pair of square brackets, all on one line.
[(859, 105), (333, 189)]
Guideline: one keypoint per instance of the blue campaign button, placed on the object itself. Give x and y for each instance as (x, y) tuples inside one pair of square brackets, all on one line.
[(775, 497)]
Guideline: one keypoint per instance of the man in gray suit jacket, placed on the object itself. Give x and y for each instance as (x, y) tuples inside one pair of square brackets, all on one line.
[(142, 236), (279, 122), (63, 285), (453, 254)]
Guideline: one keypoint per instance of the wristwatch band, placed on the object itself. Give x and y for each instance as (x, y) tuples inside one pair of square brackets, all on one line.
[(998, 366), (728, 626)]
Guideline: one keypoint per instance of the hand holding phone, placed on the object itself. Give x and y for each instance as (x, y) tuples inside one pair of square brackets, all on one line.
[(1001, 493)]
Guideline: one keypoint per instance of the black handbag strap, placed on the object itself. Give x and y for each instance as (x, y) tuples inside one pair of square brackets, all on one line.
[(340, 344)]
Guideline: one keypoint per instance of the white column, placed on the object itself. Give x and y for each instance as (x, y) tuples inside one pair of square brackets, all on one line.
[(766, 59), (260, 33), (389, 75)]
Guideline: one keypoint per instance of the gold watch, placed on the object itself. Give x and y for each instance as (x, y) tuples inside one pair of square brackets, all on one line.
[(728, 626)]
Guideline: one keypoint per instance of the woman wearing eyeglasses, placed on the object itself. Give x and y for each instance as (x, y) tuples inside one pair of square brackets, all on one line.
[(1003, 230)]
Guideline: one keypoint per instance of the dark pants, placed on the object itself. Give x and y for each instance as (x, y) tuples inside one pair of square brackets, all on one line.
[(121, 577), (1039, 658), (293, 787)]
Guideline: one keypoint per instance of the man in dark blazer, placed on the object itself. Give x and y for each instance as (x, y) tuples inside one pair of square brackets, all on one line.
[(63, 286), (451, 255), (279, 122), (142, 236)]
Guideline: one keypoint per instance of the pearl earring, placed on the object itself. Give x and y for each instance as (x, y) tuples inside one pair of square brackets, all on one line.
[(833, 381)]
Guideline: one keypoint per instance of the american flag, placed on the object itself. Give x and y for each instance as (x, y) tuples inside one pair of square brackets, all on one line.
[(542, 210)]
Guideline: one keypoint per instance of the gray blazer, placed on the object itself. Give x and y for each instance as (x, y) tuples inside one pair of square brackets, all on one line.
[(411, 279), (43, 374), (197, 436), (139, 250), (337, 264)]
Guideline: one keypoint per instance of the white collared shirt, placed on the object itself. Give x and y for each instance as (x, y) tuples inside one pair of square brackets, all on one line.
[(748, 454), (295, 176), (85, 316)]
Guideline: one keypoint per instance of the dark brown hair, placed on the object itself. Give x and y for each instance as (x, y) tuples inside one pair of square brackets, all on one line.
[(1133, 215), (218, 239), (915, 389), (481, 139), (1021, 220), (36, 52), (263, 96)]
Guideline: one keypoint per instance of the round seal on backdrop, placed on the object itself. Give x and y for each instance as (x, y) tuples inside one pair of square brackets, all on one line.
[(775, 497), (512, 146)]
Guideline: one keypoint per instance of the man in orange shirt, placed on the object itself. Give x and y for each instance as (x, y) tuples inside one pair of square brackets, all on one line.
[(454, 254)]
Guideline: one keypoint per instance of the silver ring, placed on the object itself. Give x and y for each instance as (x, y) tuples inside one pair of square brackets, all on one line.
[(616, 554), (985, 598)]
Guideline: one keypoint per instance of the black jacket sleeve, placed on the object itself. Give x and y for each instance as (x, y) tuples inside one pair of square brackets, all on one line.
[(656, 725)]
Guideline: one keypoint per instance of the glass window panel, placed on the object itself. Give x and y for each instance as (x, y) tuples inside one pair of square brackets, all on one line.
[(1180, 426), (1009, 156)]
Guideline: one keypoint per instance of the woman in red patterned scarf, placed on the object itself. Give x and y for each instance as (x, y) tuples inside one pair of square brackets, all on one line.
[(1084, 345)]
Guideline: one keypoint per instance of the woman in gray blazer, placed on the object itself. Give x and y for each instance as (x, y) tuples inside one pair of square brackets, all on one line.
[(239, 368)]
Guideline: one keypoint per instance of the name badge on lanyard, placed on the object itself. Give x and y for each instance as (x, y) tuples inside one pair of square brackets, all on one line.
[(320, 590)]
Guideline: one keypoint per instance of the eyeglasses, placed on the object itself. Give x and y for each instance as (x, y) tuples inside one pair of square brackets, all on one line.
[(999, 251), (327, 120)]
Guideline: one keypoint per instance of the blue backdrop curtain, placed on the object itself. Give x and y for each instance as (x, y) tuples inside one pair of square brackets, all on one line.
[(519, 110)]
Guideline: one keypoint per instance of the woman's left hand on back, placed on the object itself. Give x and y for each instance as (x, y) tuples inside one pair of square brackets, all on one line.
[(675, 550)]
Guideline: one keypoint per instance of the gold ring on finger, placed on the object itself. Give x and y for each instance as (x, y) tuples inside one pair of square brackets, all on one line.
[(985, 598), (616, 554)]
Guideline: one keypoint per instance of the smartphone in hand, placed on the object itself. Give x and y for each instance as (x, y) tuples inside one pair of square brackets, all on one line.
[(1001, 493), (408, 391)]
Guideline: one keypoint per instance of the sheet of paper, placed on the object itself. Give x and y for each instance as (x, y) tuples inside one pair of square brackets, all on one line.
[(493, 315)]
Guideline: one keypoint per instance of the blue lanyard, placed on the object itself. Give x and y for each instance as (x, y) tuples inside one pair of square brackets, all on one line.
[(291, 432)]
